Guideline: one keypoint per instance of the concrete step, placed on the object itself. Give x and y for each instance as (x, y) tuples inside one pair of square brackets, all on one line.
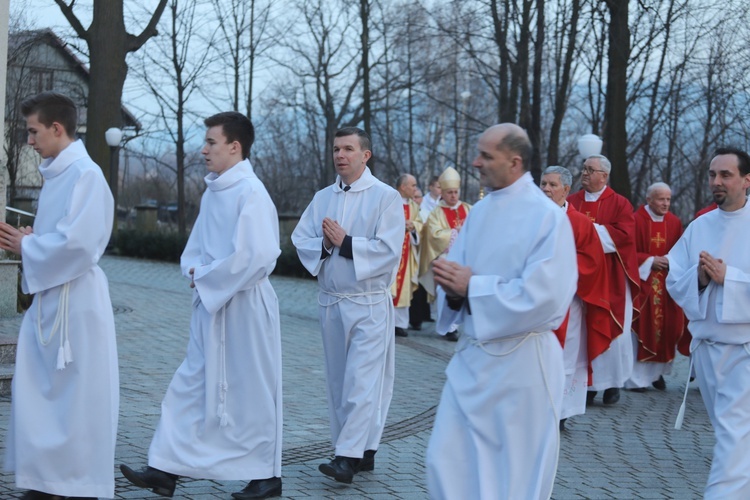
[(6, 377), (7, 362)]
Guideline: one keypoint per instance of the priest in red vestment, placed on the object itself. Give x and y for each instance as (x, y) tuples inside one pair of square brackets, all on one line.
[(613, 219), (661, 322), (586, 332)]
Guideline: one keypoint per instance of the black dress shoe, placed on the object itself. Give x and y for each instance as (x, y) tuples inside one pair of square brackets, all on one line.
[(340, 468), (260, 488), (40, 495), (452, 336), (416, 328), (400, 332), (590, 395), (160, 482), (611, 396), (660, 384), (367, 463)]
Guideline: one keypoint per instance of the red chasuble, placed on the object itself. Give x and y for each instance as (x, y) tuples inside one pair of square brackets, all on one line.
[(593, 286), (455, 216), (705, 210), (405, 252), (615, 212), (661, 323)]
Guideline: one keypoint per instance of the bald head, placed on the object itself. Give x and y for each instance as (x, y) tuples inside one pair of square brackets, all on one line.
[(504, 155), (406, 184)]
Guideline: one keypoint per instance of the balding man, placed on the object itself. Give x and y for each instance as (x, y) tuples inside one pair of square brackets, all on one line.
[(613, 219), (586, 333), (495, 433), (661, 322), (408, 269)]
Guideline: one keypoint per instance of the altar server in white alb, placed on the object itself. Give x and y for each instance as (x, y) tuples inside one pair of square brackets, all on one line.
[(709, 277), (350, 237), (63, 423), (221, 417), (496, 430)]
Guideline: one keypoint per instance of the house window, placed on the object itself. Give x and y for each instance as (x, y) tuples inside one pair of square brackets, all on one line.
[(42, 80)]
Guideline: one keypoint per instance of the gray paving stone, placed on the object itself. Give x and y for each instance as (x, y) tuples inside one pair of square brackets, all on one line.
[(629, 450)]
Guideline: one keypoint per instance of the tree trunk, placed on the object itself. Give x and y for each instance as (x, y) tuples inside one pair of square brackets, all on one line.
[(615, 107)]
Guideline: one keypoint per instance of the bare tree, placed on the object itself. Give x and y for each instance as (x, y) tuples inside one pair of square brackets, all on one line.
[(108, 42), (244, 30), (172, 73)]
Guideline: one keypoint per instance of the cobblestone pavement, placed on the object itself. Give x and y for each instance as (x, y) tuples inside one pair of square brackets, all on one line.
[(629, 450)]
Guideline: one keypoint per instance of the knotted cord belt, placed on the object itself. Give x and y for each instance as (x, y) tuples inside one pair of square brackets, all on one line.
[(64, 353), (389, 328)]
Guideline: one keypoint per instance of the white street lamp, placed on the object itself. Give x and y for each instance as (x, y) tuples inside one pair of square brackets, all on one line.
[(114, 137)]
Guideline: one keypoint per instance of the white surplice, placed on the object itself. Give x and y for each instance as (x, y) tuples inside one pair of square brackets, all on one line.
[(720, 324), (496, 431), (222, 414), (63, 424), (356, 308), (575, 358)]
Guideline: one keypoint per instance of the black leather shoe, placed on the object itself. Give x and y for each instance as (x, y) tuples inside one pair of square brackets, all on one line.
[(40, 495), (452, 336), (611, 396), (400, 332), (340, 468), (367, 463), (416, 328), (160, 482), (590, 395), (660, 384), (260, 488)]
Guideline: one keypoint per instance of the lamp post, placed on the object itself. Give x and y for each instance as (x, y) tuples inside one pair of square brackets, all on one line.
[(114, 137), (462, 147)]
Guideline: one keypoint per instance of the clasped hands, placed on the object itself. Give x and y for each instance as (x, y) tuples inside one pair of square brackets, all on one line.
[(453, 277), (10, 237), (660, 263), (710, 269), (333, 233)]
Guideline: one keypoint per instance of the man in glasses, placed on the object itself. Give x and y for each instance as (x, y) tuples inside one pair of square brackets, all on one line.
[(613, 218)]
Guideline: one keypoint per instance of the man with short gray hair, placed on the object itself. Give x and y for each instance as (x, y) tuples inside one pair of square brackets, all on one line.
[(661, 322), (612, 215), (586, 333)]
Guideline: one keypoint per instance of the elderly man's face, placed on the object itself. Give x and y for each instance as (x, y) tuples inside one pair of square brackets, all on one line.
[(553, 187), (659, 201), (593, 178)]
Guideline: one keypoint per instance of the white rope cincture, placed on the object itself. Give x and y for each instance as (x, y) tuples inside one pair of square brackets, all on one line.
[(522, 338), (223, 385), (389, 328), (64, 353), (681, 413)]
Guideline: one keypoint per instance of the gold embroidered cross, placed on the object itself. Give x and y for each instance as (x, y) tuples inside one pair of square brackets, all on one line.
[(658, 239)]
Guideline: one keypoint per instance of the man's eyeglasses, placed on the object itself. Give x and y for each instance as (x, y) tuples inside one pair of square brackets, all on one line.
[(589, 171)]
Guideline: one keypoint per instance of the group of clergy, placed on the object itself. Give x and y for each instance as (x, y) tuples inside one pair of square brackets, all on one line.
[(623, 327), (430, 230)]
